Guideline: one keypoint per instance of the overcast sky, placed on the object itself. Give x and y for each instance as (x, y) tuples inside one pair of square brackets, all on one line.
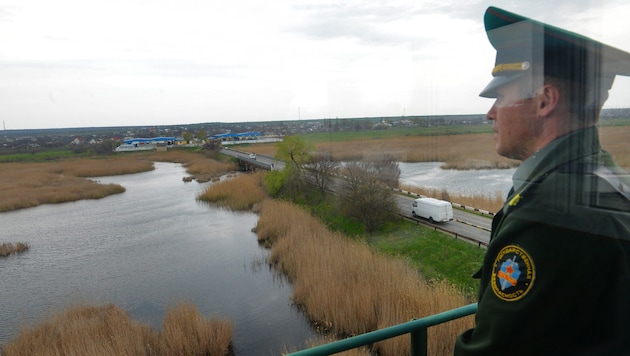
[(78, 63)]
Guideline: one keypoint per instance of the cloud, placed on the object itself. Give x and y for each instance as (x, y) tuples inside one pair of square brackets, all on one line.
[(132, 61)]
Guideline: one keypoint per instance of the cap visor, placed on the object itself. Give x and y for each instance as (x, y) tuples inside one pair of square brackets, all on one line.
[(490, 91)]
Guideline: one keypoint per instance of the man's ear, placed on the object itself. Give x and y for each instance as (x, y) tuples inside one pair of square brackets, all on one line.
[(548, 99)]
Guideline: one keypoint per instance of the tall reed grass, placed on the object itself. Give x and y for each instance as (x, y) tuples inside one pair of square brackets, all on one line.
[(99, 167), (108, 330), (24, 185), (347, 288), (240, 193), (615, 140), (201, 168), (466, 151), (486, 202), (28, 185), (9, 248)]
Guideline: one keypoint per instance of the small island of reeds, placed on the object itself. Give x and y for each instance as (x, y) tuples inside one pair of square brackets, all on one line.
[(10, 248)]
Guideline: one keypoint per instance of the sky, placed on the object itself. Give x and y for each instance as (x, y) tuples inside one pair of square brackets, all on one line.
[(83, 63)]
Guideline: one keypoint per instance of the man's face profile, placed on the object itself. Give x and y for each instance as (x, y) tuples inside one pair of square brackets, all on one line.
[(514, 122)]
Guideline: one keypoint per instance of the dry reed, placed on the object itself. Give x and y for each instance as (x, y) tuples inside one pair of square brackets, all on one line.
[(486, 202), (9, 248), (28, 185), (25, 185), (201, 168), (108, 330), (240, 193), (615, 140), (101, 167), (469, 151), (186, 332), (348, 289)]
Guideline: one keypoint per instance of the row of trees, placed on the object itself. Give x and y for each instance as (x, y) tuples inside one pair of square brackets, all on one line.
[(361, 190)]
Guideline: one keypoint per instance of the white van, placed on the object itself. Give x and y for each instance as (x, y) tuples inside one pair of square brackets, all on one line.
[(434, 210)]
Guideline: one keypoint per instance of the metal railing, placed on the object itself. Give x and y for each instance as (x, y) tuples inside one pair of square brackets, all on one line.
[(417, 328)]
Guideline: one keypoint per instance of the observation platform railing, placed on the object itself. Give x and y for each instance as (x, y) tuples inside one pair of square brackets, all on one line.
[(417, 329)]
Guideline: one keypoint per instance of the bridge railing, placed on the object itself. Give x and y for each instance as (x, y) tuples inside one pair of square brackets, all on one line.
[(417, 329)]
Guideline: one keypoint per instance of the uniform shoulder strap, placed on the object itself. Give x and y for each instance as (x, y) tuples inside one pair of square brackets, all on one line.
[(612, 178)]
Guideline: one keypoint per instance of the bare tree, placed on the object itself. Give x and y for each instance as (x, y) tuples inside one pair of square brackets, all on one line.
[(387, 170), (320, 170), (366, 197)]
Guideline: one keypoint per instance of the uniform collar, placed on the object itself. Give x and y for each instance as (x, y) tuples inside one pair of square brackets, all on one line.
[(562, 150)]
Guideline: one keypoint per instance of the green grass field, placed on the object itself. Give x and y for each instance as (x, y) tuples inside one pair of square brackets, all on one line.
[(435, 254), (42, 156), (458, 129)]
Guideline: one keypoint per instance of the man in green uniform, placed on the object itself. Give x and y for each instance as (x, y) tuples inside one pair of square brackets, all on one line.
[(555, 279)]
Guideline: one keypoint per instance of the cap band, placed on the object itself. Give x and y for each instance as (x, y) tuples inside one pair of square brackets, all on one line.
[(520, 66)]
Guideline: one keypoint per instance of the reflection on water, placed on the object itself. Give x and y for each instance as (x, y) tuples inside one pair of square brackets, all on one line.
[(145, 250), (471, 182)]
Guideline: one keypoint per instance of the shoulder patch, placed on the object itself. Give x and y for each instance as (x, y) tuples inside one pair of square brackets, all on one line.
[(513, 273)]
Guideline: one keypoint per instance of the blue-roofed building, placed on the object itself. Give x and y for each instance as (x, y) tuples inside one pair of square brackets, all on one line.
[(244, 136), (146, 144)]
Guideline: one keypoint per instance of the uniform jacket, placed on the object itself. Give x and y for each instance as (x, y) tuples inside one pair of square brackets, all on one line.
[(555, 279)]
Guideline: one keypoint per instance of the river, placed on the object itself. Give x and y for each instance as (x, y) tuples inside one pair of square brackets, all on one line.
[(155, 245), (145, 250), (429, 175)]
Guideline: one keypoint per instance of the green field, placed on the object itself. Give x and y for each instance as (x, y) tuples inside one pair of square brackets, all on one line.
[(458, 129), (435, 254), (42, 156)]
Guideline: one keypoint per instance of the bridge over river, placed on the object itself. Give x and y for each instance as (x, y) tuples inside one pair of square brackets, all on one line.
[(474, 227), (255, 160)]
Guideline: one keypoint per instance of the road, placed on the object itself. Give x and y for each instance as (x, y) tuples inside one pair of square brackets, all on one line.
[(261, 161), (465, 224)]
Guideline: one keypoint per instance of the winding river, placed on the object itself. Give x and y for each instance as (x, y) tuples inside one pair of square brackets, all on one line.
[(146, 250), (155, 245)]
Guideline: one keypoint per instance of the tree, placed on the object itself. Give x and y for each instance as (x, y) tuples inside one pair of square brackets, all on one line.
[(320, 170), (296, 153), (202, 135), (294, 150), (366, 197), (387, 170), (188, 136), (285, 183)]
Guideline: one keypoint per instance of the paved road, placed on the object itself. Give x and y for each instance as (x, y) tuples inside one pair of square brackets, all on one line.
[(472, 226), (262, 161), (466, 224)]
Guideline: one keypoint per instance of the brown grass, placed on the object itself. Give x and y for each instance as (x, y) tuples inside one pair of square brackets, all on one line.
[(108, 330), (28, 185), (101, 167), (25, 185), (348, 289), (488, 202), (615, 140), (469, 151), (201, 168), (240, 193), (186, 332), (8, 248)]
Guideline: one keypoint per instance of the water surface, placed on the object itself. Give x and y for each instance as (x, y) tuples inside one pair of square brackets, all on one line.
[(145, 250)]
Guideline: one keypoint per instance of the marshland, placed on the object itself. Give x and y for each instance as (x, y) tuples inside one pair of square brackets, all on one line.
[(162, 258)]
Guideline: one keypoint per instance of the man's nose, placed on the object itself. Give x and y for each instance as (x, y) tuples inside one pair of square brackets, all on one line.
[(491, 114)]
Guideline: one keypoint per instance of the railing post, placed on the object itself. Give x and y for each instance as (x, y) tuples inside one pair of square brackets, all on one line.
[(419, 342)]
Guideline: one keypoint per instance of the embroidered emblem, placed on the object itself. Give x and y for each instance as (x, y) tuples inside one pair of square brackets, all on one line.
[(512, 274)]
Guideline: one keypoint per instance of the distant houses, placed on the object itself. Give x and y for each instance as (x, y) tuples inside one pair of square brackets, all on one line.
[(155, 143), (234, 137)]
